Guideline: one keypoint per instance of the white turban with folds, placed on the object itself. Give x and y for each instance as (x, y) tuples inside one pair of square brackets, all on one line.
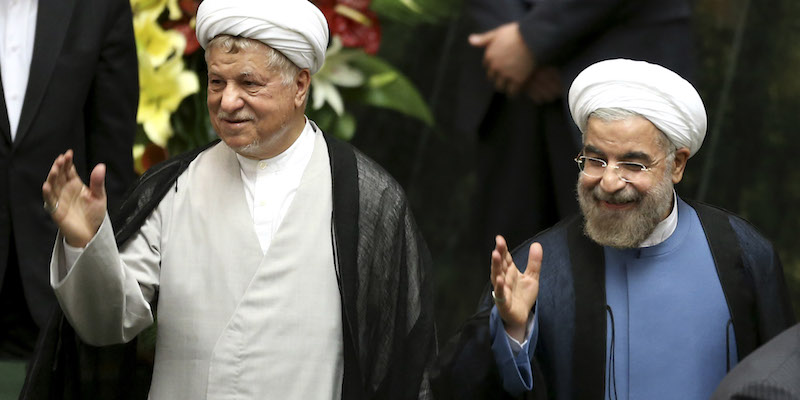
[(295, 28), (668, 101)]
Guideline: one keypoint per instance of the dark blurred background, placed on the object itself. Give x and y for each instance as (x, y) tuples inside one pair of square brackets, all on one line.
[(748, 59)]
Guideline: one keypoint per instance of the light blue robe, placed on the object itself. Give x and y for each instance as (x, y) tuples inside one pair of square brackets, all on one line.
[(671, 334)]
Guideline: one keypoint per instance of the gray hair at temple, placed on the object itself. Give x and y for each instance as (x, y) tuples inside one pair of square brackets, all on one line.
[(275, 60)]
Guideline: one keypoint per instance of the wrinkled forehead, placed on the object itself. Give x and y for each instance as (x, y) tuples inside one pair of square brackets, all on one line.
[(632, 138)]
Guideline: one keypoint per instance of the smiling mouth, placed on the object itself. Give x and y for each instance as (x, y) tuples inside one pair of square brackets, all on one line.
[(617, 206)]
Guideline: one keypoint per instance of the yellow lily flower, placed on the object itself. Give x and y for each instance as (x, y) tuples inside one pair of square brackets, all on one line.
[(153, 41), (157, 6), (162, 88)]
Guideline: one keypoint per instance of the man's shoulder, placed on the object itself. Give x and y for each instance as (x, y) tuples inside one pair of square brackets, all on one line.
[(148, 191), (372, 177), (168, 170), (553, 237), (749, 237)]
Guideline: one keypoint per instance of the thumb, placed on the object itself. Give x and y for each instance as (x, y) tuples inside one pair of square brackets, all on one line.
[(534, 261), (97, 184), (481, 39)]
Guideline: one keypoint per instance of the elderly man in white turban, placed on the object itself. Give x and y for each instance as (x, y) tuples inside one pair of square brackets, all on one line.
[(279, 262), (642, 296)]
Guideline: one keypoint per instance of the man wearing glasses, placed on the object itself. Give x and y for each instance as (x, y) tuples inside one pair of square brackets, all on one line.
[(643, 295)]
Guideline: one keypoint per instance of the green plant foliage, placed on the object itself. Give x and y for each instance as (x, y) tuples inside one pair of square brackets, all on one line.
[(413, 12), (191, 121), (386, 87)]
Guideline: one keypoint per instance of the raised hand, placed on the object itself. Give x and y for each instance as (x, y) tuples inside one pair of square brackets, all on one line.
[(515, 292), (507, 59), (78, 210)]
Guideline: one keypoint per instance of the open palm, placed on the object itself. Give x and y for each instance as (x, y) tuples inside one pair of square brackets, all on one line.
[(79, 210), (515, 292)]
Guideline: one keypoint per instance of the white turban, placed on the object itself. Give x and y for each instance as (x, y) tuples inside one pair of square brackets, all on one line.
[(668, 101), (295, 28)]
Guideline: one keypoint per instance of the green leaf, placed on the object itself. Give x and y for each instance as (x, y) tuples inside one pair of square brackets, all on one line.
[(416, 11), (324, 117), (345, 127), (388, 88)]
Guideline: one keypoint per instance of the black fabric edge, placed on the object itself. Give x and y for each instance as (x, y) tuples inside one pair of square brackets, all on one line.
[(588, 272), (737, 284), (132, 213), (344, 178)]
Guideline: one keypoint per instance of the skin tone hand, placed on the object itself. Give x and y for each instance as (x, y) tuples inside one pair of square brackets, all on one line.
[(508, 61), (518, 290), (544, 85), (80, 209)]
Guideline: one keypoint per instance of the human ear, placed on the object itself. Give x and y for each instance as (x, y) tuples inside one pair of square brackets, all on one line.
[(303, 82), (681, 158)]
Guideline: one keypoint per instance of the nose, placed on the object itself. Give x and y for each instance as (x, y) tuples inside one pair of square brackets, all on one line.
[(611, 182), (231, 99)]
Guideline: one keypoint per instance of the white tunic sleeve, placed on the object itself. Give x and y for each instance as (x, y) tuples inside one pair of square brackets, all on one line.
[(106, 294)]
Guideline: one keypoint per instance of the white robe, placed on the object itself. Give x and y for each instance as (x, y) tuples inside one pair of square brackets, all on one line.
[(232, 322)]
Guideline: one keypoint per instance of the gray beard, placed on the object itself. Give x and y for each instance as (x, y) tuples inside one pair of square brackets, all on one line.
[(629, 228), (251, 150)]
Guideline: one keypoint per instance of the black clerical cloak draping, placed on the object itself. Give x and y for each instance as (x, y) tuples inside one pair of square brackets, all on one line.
[(570, 356), (382, 267)]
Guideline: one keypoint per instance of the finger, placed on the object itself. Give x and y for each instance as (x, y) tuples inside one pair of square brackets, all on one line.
[(500, 290), (501, 246), (48, 194), (534, 261), (56, 175), (69, 166), (497, 267), (481, 39), (97, 185)]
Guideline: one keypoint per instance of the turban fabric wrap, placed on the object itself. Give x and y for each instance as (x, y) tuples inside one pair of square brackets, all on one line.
[(668, 101), (295, 28)]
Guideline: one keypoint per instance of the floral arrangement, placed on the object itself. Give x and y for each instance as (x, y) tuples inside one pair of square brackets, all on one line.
[(172, 113)]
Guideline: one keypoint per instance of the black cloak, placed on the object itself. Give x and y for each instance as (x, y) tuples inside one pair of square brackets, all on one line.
[(382, 267)]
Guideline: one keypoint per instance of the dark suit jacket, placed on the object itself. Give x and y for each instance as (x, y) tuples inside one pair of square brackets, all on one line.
[(771, 373), (82, 94), (573, 34), (521, 141)]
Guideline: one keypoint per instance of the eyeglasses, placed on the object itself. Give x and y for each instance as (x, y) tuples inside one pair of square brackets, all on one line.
[(628, 171)]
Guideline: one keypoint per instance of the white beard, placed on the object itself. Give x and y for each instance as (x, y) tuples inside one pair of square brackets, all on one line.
[(624, 228)]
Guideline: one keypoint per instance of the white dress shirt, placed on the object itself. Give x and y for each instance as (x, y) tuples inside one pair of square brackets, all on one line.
[(270, 185), (17, 32), (269, 188)]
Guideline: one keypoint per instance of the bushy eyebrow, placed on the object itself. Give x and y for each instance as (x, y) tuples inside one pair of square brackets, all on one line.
[(629, 156), (637, 156), (594, 150)]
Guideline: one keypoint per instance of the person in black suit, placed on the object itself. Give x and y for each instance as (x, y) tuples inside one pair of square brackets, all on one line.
[(81, 92), (514, 70), (770, 373)]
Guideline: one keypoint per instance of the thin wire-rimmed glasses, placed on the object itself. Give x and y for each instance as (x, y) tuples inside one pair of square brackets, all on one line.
[(628, 171)]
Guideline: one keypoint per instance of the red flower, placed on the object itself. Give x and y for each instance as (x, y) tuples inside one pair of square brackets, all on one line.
[(353, 23), (189, 7), (153, 154), (360, 5), (182, 26), (355, 34)]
